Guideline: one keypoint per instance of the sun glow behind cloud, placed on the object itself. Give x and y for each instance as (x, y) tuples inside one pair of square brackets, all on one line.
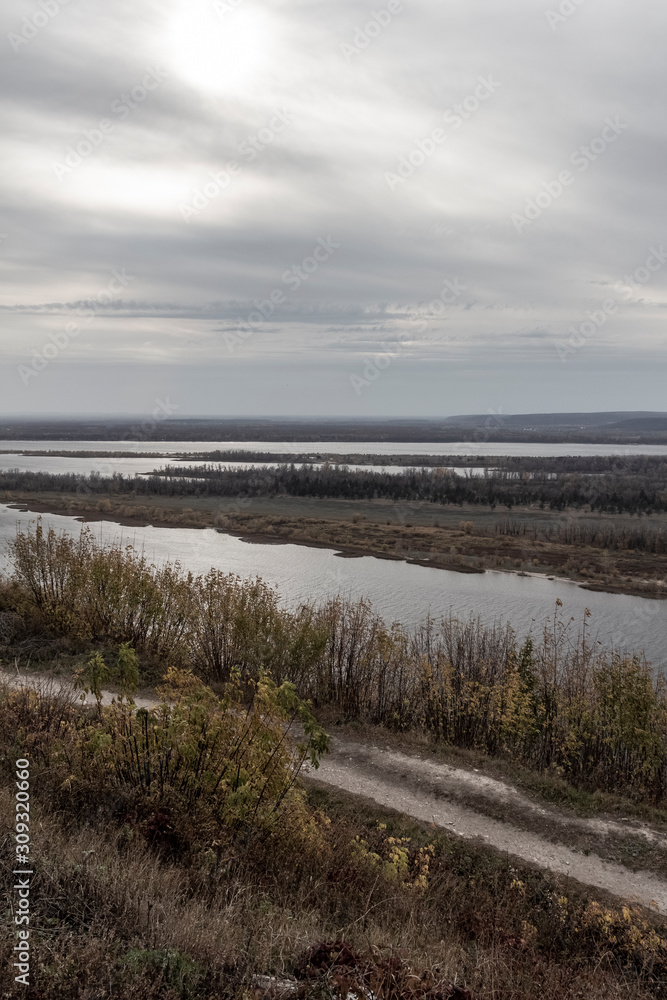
[(224, 51), (351, 122)]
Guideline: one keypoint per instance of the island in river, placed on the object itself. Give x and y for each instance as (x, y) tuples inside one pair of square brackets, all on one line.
[(464, 538)]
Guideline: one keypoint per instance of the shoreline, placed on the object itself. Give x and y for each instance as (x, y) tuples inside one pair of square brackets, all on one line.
[(191, 519), (252, 538)]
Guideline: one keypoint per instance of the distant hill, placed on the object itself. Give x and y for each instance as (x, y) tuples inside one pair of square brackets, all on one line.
[(616, 420), (641, 424), (617, 427)]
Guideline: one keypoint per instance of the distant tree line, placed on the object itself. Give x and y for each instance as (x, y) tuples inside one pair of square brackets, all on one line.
[(613, 535), (632, 492), (648, 465)]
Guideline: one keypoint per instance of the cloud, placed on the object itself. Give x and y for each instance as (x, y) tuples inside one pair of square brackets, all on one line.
[(315, 132)]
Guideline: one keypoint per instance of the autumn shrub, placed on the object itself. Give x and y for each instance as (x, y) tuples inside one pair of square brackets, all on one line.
[(554, 701), (51, 569), (226, 766), (158, 873), (216, 623), (558, 702), (102, 593), (240, 625)]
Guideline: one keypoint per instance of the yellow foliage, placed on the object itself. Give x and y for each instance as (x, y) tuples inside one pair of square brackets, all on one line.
[(397, 860), (625, 927)]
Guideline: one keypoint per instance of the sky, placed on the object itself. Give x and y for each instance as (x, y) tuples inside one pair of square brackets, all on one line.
[(297, 207)]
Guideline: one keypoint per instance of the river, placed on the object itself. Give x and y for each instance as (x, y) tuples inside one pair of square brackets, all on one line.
[(11, 457), (399, 591), (460, 448)]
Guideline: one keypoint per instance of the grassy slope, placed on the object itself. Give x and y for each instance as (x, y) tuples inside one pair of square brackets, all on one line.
[(129, 903), (119, 913)]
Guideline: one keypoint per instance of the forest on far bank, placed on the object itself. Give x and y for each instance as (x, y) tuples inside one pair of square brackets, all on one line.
[(633, 486)]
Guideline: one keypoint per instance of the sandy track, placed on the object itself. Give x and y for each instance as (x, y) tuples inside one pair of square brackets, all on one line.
[(431, 791), (427, 791)]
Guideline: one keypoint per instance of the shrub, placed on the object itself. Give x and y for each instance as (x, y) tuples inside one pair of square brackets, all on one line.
[(554, 702), (89, 679), (216, 623), (228, 766), (128, 670)]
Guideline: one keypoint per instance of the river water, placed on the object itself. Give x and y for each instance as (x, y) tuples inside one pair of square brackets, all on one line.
[(107, 466), (462, 448), (399, 591)]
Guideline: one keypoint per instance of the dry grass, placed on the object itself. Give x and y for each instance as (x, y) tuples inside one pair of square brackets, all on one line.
[(117, 913), (108, 912)]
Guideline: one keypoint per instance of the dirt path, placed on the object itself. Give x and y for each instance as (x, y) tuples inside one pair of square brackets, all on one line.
[(434, 792), (428, 791)]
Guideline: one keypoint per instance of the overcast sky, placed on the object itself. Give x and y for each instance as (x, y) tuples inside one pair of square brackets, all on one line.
[(333, 208)]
